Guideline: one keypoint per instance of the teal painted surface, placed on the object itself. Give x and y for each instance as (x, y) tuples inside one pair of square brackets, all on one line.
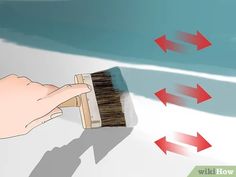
[(125, 30)]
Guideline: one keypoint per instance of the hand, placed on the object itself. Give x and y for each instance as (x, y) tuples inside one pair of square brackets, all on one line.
[(25, 105)]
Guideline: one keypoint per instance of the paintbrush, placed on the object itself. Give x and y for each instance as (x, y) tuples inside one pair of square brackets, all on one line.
[(108, 104)]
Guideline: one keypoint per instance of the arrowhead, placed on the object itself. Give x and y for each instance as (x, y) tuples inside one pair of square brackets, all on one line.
[(202, 143), (202, 41), (162, 96), (161, 143), (202, 95), (161, 41)]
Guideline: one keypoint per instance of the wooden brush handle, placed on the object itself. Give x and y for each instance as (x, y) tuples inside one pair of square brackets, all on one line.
[(73, 102), (81, 102)]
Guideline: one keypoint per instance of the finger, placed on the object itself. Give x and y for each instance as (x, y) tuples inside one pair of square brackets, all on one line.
[(63, 94), (53, 114), (51, 88), (12, 76), (24, 80)]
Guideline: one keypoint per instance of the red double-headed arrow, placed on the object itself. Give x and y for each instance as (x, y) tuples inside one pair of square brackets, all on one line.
[(199, 142), (198, 93), (197, 39), (166, 44)]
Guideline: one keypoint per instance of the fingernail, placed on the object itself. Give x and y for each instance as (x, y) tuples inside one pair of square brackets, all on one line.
[(56, 115)]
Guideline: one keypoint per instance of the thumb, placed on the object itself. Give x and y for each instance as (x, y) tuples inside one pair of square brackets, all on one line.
[(64, 93), (53, 114)]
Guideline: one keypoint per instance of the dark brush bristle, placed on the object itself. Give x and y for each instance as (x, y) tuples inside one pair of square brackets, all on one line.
[(108, 96)]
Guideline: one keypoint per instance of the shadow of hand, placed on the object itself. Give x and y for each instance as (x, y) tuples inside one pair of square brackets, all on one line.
[(63, 161)]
